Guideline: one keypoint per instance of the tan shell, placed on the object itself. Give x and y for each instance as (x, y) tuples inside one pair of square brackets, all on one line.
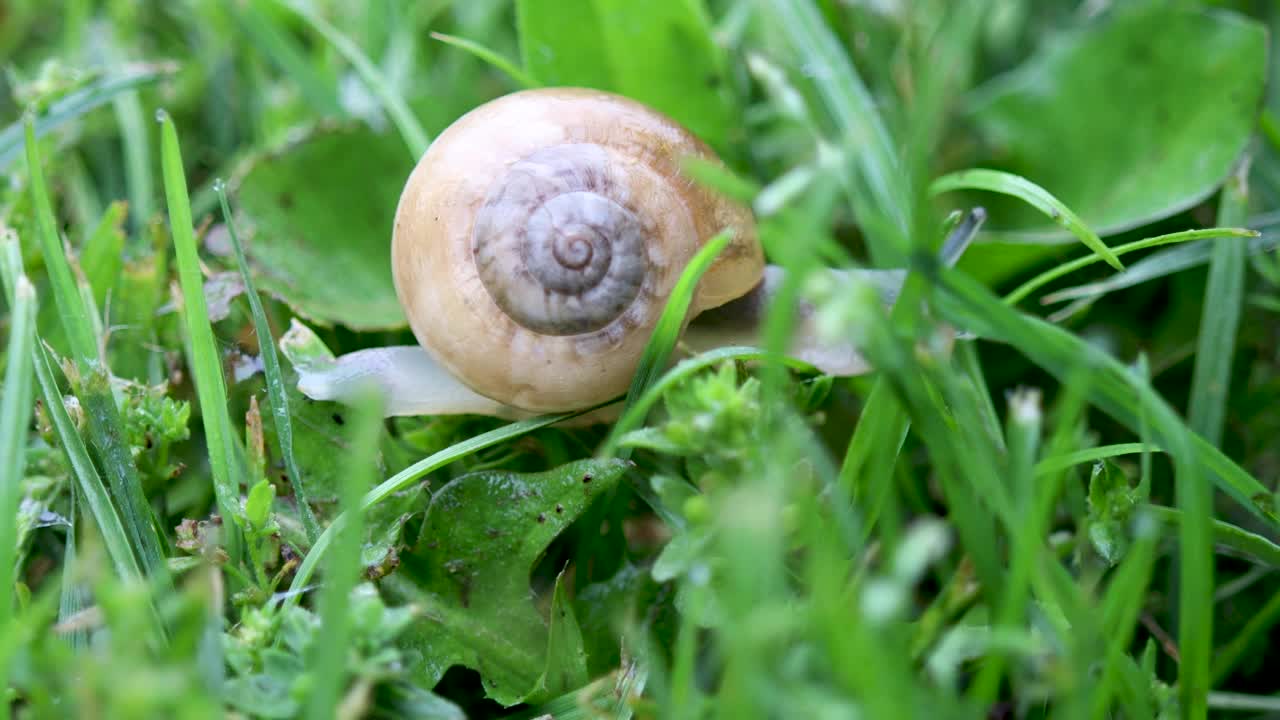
[(567, 207)]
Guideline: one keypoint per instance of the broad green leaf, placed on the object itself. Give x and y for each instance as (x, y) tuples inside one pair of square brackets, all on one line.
[(482, 535), (660, 53), (1129, 119), (319, 217), (556, 57)]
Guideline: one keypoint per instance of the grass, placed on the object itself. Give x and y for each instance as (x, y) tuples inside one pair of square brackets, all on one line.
[(1015, 514)]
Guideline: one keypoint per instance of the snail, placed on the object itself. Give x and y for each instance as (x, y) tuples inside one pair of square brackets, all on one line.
[(534, 247)]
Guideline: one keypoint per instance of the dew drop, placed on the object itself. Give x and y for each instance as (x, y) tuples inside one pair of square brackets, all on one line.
[(219, 186), (161, 115)]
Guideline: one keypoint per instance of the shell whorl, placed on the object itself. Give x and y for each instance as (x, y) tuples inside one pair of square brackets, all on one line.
[(558, 244)]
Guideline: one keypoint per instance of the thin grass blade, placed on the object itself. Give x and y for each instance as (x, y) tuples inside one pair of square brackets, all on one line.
[(82, 468), (666, 333), (884, 204), (92, 489), (1057, 271), (1114, 390), (634, 414), (1058, 463), (91, 378), (79, 102), (203, 356), (415, 137), (329, 662), (276, 393), (15, 424), (1032, 194), (1157, 265), (490, 56), (1225, 535), (1220, 318), (71, 310), (283, 50)]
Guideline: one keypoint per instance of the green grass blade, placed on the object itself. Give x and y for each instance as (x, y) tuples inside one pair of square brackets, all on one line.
[(867, 470), (204, 358), (666, 333), (73, 597), (1121, 605), (137, 156), (408, 476), (15, 423), (92, 379), (282, 49), (1195, 582), (415, 137), (1157, 265), (79, 102), (1220, 318), (89, 482), (1032, 194), (1048, 276), (1253, 545), (634, 414), (136, 143), (1255, 634), (71, 310), (1242, 703), (276, 393), (92, 490), (492, 57), (329, 663), (102, 255), (1114, 389), (856, 113), (1132, 402), (1058, 463), (1034, 502)]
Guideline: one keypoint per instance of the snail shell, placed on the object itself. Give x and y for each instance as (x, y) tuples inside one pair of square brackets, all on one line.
[(538, 239)]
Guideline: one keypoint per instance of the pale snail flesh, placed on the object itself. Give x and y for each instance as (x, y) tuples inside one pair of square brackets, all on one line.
[(534, 248)]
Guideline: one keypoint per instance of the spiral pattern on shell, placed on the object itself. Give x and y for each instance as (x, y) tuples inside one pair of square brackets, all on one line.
[(557, 243)]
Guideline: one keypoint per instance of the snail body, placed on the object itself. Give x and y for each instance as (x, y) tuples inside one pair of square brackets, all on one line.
[(534, 248)]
